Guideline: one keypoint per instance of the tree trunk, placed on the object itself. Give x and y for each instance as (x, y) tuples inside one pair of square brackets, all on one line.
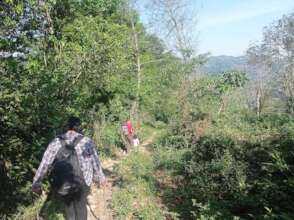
[(258, 102), (224, 100), (136, 104)]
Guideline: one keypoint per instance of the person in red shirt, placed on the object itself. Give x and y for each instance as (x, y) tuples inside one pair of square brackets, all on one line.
[(127, 135), (130, 128)]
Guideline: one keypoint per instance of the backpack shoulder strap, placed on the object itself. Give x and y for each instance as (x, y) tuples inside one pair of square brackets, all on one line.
[(77, 140), (73, 144), (62, 140)]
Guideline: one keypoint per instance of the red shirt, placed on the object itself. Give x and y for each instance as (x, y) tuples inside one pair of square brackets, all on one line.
[(130, 127)]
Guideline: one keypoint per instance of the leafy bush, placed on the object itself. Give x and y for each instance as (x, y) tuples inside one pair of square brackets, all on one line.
[(134, 167), (136, 201), (227, 177), (136, 196), (213, 170), (46, 208), (168, 158)]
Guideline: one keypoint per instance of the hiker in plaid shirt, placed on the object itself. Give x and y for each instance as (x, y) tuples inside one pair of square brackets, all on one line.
[(89, 164)]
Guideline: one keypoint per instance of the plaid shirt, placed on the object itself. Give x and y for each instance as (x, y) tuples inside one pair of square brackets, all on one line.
[(86, 153)]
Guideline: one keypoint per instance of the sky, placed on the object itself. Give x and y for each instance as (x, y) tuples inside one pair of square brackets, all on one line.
[(227, 27)]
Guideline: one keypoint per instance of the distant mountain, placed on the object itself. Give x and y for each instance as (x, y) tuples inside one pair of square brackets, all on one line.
[(219, 64)]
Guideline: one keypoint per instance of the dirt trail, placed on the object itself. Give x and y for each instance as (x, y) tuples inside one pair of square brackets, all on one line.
[(100, 199), (142, 147), (149, 140)]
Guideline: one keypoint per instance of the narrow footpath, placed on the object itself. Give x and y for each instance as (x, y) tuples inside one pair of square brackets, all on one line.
[(99, 206)]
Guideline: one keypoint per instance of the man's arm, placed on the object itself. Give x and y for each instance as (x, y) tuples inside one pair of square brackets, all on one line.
[(97, 168), (46, 162)]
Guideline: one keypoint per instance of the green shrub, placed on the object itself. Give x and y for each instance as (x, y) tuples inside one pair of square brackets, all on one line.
[(243, 177), (135, 198), (168, 158), (212, 167), (51, 210), (110, 140), (135, 166)]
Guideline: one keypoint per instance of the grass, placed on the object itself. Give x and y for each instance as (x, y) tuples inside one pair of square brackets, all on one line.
[(52, 210), (139, 195), (167, 158), (136, 196), (146, 131)]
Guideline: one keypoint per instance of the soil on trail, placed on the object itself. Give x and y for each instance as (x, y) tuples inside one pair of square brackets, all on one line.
[(99, 200)]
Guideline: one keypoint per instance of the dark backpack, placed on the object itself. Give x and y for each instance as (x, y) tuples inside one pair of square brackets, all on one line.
[(66, 178)]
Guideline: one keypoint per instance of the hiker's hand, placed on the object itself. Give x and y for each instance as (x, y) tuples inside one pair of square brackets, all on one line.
[(103, 183), (37, 190)]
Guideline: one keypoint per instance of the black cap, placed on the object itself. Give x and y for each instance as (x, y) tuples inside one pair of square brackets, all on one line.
[(73, 123)]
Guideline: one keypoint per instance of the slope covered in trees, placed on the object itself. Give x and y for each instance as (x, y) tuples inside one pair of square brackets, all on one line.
[(219, 64), (225, 149)]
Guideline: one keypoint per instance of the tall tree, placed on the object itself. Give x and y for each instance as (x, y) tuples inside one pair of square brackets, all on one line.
[(134, 114), (176, 22), (259, 61), (278, 45)]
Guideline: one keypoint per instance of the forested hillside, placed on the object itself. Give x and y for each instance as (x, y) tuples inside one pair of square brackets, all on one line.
[(219, 64), (216, 146)]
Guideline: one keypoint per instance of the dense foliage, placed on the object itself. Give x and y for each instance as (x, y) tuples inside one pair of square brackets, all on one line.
[(236, 164), (61, 58)]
